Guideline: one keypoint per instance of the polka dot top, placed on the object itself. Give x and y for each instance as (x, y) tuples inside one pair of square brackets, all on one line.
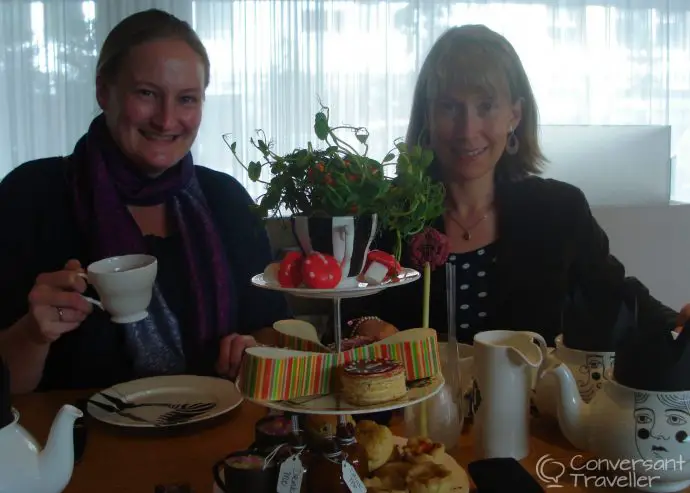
[(474, 273)]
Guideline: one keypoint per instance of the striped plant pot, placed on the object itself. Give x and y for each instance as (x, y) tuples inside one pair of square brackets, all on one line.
[(347, 238)]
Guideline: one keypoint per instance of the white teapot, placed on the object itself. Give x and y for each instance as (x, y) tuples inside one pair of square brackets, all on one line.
[(590, 369), (24, 467), (640, 420)]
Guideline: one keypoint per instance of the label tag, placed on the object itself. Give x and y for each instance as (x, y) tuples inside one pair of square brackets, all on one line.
[(290, 475), (352, 480)]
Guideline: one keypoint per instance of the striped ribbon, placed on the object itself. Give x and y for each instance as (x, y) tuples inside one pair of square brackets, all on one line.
[(291, 372)]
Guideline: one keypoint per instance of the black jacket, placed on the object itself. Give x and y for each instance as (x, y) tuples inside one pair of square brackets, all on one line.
[(39, 234), (549, 245)]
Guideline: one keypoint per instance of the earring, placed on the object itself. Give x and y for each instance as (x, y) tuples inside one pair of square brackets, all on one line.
[(513, 144)]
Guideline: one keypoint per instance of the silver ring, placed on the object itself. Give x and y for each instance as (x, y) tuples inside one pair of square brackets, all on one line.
[(60, 313)]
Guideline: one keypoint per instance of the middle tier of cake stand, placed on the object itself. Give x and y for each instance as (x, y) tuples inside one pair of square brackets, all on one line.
[(334, 404)]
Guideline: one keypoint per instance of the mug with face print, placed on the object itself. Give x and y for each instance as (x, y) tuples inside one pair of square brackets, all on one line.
[(124, 285)]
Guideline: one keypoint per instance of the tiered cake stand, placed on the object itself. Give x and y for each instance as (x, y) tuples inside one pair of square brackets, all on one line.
[(333, 403)]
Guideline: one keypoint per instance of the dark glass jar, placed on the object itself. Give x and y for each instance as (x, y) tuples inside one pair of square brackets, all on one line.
[(354, 451), (298, 447), (326, 472), (271, 431)]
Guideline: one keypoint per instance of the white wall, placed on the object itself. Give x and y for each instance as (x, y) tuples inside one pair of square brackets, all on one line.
[(612, 164), (653, 242)]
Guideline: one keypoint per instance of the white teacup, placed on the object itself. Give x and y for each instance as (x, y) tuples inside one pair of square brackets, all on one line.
[(124, 285)]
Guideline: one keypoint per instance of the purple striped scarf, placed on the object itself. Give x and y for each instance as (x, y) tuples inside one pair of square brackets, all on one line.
[(106, 182)]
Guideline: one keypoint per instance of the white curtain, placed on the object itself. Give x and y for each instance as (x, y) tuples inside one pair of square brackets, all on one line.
[(590, 61)]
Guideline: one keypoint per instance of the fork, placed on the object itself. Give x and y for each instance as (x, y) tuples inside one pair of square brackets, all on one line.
[(181, 415), (123, 404)]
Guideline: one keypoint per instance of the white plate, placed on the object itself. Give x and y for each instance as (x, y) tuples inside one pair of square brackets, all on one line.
[(461, 482), (334, 404), (166, 401), (362, 289)]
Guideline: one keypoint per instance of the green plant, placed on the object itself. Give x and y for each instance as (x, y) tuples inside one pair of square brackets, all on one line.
[(340, 181)]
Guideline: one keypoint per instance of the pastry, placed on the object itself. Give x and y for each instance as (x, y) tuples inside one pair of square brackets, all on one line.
[(371, 382), (421, 449), (353, 342), (377, 440), (429, 478), (392, 476), (377, 485)]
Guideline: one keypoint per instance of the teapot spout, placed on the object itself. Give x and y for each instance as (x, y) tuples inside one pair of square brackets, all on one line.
[(56, 461), (573, 412)]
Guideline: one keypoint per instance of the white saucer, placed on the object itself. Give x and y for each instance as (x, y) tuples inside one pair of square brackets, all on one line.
[(362, 289), (165, 401), (334, 404)]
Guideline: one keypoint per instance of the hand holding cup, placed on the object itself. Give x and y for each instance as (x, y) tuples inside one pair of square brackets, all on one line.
[(56, 305)]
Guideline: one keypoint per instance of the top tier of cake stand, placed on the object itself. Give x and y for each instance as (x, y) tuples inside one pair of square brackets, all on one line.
[(361, 289)]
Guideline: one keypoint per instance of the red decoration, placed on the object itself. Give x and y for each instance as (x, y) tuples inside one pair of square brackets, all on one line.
[(374, 274), (430, 246), (321, 271), (290, 270)]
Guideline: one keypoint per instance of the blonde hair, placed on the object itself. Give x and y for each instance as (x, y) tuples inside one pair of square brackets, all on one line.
[(477, 58), (140, 28)]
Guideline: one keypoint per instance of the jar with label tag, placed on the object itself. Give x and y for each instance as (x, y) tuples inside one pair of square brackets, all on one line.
[(327, 470), (294, 470), (355, 451)]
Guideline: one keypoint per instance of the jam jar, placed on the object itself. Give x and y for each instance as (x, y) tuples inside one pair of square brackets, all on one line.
[(298, 447), (354, 452), (271, 431), (326, 471)]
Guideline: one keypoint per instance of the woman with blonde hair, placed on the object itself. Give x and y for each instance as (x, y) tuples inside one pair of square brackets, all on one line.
[(521, 244), (132, 186)]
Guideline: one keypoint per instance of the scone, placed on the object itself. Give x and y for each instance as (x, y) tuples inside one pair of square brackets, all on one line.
[(371, 382), (377, 440)]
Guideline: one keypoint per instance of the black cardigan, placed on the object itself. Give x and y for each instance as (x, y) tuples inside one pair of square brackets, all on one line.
[(549, 244), (40, 234)]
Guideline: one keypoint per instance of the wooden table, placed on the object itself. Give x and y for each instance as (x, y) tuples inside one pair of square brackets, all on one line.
[(120, 462)]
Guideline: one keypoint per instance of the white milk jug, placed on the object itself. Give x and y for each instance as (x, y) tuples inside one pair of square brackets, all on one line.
[(504, 363)]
